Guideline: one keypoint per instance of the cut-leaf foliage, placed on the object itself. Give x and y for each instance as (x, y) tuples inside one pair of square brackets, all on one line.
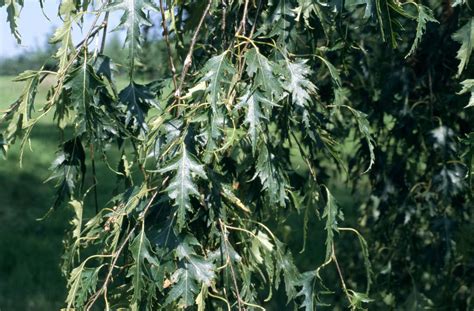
[(468, 87), (299, 85), (135, 15), (182, 186), (331, 214), (465, 36), (68, 169), (138, 99), (257, 109), (217, 71), (425, 15), (262, 70)]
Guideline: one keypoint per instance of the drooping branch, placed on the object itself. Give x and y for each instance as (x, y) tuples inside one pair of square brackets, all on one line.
[(189, 57)]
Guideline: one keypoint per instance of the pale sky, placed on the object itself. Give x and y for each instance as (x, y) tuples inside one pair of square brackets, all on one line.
[(34, 27)]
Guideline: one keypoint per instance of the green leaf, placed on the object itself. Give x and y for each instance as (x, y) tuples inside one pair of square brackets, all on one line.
[(465, 36), (200, 269), (365, 256), (281, 22), (387, 13), (182, 186), (261, 243), (13, 12), (217, 69), (3, 145), (285, 266), (306, 282), (201, 298), (20, 113), (140, 249), (68, 167), (271, 176), (299, 85), (368, 6), (77, 206), (331, 213), (134, 16), (425, 15), (63, 35), (82, 83), (184, 290), (468, 86), (364, 128), (81, 283), (305, 8), (138, 99), (336, 78), (261, 69), (357, 299), (257, 109)]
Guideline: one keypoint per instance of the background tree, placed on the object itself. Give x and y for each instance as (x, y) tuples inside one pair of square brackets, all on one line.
[(266, 106)]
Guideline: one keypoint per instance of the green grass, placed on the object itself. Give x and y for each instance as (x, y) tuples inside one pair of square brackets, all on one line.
[(29, 249), (8, 91)]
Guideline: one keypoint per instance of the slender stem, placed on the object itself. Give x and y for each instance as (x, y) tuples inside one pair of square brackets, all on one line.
[(339, 272), (224, 21), (189, 58), (104, 35), (241, 29), (116, 256), (94, 177), (168, 46), (234, 278)]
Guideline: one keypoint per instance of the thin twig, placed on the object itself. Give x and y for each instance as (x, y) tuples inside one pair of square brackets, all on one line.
[(104, 35), (241, 29), (91, 146), (234, 278), (94, 298), (189, 58), (339, 272), (103, 289), (254, 26), (168, 46), (224, 21), (77, 46), (94, 177)]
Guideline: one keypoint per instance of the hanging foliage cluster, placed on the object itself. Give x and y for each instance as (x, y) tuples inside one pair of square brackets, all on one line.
[(265, 107)]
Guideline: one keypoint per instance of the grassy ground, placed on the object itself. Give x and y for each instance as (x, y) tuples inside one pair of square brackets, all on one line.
[(29, 249)]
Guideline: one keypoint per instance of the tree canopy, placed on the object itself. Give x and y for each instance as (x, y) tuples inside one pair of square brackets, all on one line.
[(260, 110)]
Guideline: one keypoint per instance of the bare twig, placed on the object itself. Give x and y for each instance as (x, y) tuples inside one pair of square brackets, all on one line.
[(224, 17), (104, 36), (94, 177), (254, 26), (189, 58), (339, 272), (168, 46), (234, 278), (241, 29)]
